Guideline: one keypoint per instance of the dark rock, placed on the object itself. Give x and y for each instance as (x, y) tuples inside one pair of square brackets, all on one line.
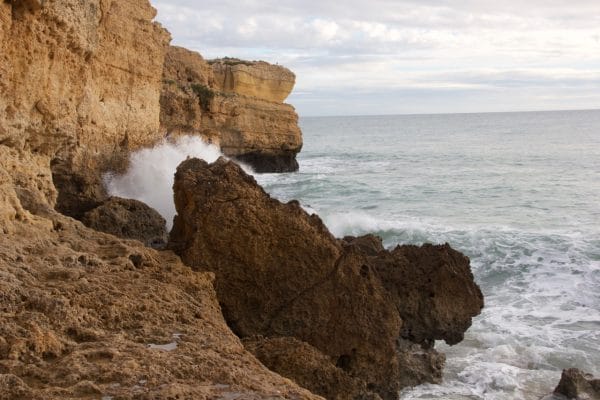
[(575, 384), (308, 367), (280, 273), (129, 219), (270, 163)]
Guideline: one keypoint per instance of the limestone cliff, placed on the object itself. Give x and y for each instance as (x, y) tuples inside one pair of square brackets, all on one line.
[(235, 104), (79, 85)]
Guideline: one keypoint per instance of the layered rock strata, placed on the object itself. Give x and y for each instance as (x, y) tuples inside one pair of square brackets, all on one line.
[(79, 85), (86, 315), (374, 314), (235, 104)]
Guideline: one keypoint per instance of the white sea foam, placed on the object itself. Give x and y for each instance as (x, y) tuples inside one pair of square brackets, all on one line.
[(150, 175)]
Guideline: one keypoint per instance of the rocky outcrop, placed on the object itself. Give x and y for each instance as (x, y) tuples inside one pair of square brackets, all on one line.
[(373, 313), (129, 219), (576, 384), (80, 85), (235, 104), (87, 315), (253, 78)]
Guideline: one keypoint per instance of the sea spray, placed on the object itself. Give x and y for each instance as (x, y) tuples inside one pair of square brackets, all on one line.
[(150, 175)]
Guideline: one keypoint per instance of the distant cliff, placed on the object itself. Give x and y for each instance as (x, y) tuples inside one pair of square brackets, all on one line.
[(236, 104)]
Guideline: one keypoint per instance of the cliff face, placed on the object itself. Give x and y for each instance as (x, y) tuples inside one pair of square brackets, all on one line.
[(80, 84), (253, 78), (235, 104)]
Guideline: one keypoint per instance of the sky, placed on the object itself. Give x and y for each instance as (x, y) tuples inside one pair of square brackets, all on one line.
[(407, 56)]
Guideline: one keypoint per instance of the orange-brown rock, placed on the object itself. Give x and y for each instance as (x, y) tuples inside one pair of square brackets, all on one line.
[(86, 315), (280, 273), (251, 124), (257, 79), (79, 85)]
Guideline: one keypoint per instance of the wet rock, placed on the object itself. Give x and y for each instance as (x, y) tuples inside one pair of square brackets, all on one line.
[(129, 219), (576, 384), (280, 273)]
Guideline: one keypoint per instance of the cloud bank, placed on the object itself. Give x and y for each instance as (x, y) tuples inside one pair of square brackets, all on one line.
[(390, 56)]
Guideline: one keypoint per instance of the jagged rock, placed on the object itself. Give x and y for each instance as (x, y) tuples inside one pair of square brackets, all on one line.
[(129, 219), (246, 119), (280, 273), (576, 384), (83, 314), (308, 367)]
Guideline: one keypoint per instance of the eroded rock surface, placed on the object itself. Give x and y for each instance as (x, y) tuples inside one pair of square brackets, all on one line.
[(80, 84), (237, 105), (576, 384), (280, 273), (129, 219), (84, 315)]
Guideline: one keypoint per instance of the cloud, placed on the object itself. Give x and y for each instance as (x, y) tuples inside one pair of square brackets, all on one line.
[(481, 46)]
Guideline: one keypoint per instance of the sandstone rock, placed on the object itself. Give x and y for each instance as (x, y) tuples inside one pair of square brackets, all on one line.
[(252, 126), (83, 315), (575, 384), (80, 81), (253, 78), (308, 367), (129, 219), (284, 275)]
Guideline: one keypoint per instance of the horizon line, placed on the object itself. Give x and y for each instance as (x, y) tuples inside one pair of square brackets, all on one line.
[(448, 113)]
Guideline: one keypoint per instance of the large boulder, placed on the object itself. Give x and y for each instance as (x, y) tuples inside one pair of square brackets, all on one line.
[(280, 273), (129, 219)]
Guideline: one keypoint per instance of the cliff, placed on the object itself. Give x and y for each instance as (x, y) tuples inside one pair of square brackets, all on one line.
[(80, 84), (235, 104)]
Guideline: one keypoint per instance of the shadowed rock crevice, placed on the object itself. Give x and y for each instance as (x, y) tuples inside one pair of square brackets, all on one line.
[(371, 315)]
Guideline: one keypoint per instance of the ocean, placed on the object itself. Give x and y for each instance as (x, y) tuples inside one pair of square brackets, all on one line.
[(519, 193)]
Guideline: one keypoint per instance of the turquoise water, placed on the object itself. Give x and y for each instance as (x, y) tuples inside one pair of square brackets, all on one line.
[(519, 193)]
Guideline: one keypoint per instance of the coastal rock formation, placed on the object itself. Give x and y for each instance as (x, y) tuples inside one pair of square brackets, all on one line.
[(129, 219), (87, 315), (308, 367), (575, 384), (80, 84), (235, 104), (280, 273), (253, 78)]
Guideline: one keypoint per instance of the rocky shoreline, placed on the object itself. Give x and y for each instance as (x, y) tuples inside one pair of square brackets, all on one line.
[(246, 298)]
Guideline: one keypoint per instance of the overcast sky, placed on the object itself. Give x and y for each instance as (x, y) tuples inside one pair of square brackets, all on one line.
[(401, 56)]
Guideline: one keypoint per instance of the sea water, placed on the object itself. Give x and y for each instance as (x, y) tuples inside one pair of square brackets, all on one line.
[(519, 193)]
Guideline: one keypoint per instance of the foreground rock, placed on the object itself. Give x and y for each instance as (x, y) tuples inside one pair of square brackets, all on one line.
[(129, 219), (374, 314), (86, 315), (575, 384), (235, 104)]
